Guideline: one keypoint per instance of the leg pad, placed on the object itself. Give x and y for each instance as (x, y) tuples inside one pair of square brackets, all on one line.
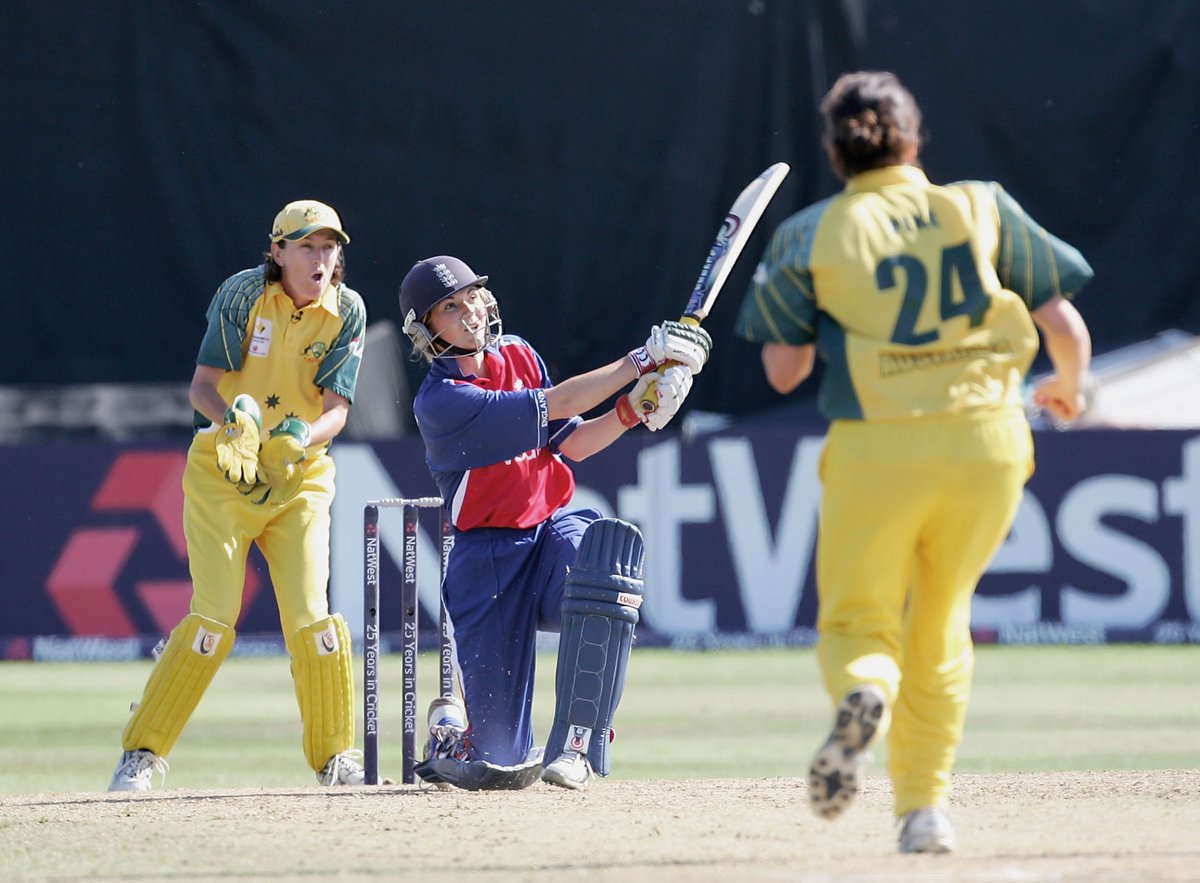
[(323, 674), (194, 652), (601, 597)]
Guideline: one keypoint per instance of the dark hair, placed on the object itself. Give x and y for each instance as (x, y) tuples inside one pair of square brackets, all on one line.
[(871, 121), (274, 273)]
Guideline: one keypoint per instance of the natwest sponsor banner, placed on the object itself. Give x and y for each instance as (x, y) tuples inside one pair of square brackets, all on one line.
[(1104, 547), (93, 546)]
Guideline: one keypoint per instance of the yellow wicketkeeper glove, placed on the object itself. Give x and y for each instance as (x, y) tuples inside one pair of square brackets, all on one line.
[(238, 443), (280, 461)]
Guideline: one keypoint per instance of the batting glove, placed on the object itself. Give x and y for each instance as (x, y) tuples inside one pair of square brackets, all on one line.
[(676, 342), (655, 398), (671, 387)]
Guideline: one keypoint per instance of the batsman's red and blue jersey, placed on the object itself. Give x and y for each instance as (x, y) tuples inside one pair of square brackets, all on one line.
[(489, 442), (493, 452)]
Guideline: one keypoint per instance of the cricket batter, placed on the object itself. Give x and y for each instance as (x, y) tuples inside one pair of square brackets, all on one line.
[(497, 434), (924, 302), (273, 384)]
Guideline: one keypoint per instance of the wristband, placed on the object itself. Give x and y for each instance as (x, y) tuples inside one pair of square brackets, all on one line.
[(642, 362), (626, 413)]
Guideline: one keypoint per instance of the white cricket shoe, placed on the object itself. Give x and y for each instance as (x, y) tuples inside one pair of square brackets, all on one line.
[(570, 770), (447, 740), (927, 829), (342, 769), (135, 769), (833, 778), (447, 729)]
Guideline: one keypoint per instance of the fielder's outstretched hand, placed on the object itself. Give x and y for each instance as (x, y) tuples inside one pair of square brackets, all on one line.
[(279, 462), (238, 443), (687, 345)]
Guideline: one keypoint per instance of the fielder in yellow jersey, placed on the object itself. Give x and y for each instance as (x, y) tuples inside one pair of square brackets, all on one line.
[(273, 384), (924, 303)]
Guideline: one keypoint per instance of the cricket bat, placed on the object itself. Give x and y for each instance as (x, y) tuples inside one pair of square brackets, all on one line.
[(732, 237)]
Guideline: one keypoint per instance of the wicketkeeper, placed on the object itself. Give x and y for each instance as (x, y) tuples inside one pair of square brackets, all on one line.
[(273, 384)]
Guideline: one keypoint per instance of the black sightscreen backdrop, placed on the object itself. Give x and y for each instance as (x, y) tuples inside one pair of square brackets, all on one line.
[(582, 154)]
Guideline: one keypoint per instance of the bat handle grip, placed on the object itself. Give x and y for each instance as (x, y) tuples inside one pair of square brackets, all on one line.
[(648, 403)]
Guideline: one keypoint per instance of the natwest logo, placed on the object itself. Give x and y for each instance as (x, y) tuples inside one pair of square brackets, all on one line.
[(83, 583)]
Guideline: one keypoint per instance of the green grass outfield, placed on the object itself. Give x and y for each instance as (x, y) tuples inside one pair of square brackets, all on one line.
[(715, 714)]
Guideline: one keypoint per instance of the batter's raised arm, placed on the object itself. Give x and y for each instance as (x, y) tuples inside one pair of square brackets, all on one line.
[(670, 388), (670, 343), (583, 392)]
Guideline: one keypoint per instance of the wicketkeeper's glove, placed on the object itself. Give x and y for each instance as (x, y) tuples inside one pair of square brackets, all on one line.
[(238, 443), (280, 461)]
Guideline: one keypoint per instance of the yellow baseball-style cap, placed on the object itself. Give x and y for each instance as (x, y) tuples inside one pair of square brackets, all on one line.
[(305, 217)]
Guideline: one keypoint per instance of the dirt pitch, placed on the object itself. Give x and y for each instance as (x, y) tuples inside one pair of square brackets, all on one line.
[(1030, 827)]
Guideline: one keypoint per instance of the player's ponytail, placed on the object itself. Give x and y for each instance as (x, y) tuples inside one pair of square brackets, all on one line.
[(871, 121)]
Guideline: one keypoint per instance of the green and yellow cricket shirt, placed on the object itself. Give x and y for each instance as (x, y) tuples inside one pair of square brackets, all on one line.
[(916, 295), (282, 355)]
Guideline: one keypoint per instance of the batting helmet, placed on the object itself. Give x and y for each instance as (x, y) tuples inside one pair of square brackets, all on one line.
[(432, 280)]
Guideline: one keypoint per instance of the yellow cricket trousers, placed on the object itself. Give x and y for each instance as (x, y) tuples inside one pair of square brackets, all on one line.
[(912, 511), (220, 524)]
